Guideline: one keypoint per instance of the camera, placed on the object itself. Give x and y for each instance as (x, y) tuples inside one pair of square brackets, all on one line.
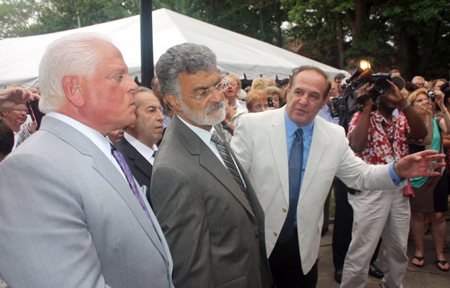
[(379, 81), (431, 96), (335, 106), (349, 103), (270, 101), (380, 86)]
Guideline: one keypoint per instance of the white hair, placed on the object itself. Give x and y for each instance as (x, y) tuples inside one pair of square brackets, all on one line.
[(72, 54)]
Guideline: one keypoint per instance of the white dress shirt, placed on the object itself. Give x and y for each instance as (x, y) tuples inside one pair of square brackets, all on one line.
[(143, 149), (96, 137), (205, 136)]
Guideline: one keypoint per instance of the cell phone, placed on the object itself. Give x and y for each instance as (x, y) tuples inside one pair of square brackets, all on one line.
[(270, 101), (36, 114)]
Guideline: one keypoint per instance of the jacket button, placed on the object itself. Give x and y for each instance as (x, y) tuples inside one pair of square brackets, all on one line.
[(275, 233), (284, 209)]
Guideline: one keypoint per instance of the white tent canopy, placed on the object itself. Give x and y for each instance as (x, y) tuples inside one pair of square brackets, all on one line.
[(236, 53)]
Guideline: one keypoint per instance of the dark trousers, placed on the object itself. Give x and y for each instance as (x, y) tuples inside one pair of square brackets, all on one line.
[(343, 224), (286, 267), (326, 213)]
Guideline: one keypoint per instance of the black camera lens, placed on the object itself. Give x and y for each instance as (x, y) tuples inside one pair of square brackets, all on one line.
[(382, 86)]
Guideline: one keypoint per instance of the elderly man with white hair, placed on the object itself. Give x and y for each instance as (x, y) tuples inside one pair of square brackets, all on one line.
[(77, 218)]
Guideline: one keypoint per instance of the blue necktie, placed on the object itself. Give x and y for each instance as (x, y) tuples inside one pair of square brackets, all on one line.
[(295, 176)]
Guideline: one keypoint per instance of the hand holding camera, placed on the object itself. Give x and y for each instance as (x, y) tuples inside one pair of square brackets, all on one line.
[(363, 93), (439, 98), (395, 96)]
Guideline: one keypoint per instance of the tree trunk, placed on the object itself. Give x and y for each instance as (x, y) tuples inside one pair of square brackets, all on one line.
[(261, 21), (340, 36), (355, 18), (212, 13), (279, 31), (428, 52)]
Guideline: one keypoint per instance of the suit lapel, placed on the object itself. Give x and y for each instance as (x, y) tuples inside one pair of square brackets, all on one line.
[(318, 144), (138, 159), (209, 161), (277, 136), (107, 170), (104, 166)]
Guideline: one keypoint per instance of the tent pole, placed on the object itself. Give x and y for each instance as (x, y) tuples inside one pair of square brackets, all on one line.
[(146, 43)]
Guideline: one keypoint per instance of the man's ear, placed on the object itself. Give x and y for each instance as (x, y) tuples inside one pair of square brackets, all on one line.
[(174, 102), (71, 86), (325, 100)]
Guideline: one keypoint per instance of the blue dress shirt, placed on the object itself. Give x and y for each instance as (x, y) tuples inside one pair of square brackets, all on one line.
[(291, 127)]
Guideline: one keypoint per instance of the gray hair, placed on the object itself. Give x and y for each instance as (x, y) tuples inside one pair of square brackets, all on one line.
[(141, 89), (72, 54), (186, 58)]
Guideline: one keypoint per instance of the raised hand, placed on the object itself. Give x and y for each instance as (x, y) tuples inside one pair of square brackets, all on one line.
[(418, 164), (15, 98)]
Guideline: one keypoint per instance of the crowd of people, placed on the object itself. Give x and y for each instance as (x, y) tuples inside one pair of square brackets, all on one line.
[(196, 182)]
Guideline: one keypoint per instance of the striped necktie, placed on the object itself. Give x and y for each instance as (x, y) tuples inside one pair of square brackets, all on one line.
[(229, 163)]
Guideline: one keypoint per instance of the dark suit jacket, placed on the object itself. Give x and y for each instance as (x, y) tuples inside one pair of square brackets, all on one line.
[(139, 166), (214, 236)]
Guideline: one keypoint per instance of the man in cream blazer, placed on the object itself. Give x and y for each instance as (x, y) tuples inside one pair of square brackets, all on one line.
[(262, 145)]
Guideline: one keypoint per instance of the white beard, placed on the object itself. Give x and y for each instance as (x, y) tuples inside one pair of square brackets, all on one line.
[(207, 120)]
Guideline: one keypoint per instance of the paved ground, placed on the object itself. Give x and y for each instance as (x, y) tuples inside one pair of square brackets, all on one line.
[(427, 277)]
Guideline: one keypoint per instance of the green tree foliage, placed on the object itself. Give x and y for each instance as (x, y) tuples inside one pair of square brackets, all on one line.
[(413, 35), (15, 17), (410, 34), (317, 30), (260, 19), (58, 15), (28, 17)]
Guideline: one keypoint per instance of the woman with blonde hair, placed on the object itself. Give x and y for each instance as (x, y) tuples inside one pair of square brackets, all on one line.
[(431, 193), (260, 83), (232, 91)]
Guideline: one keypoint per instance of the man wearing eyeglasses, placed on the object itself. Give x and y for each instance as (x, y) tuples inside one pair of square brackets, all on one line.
[(419, 81), (206, 206)]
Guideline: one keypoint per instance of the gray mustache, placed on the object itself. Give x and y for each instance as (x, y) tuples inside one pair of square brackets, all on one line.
[(214, 106)]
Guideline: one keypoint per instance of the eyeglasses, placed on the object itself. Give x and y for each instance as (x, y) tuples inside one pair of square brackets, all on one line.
[(220, 87), (260, 107)]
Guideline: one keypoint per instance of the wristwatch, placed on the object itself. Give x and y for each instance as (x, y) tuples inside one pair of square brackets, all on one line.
[(406, 106)]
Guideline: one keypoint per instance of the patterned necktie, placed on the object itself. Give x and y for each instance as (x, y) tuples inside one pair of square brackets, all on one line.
[(126, 170), (295, 176), (229, 163)]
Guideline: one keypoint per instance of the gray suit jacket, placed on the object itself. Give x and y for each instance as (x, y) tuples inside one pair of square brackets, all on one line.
[(139, 166), (68, 218), (215, 238)]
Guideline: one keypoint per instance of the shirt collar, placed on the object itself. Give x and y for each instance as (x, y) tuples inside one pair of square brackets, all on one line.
[(379, 118), (202, 133), (291, 127), (96, 137), (145, 151)]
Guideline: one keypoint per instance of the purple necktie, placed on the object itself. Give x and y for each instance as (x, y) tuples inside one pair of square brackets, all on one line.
[(126, 170)]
